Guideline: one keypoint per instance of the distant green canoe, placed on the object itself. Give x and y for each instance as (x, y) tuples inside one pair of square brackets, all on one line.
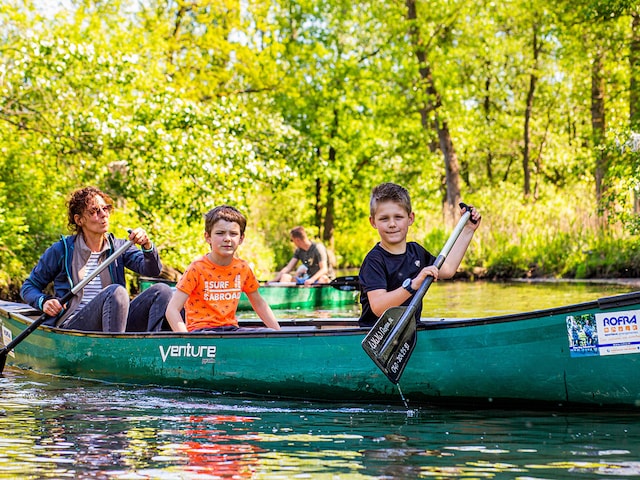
[(342, 291), (585, 354)]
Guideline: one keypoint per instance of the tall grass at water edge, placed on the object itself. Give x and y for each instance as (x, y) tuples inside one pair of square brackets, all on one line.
[(555, 236)]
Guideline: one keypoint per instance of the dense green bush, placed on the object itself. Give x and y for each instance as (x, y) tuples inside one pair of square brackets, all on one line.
[(293, 113)]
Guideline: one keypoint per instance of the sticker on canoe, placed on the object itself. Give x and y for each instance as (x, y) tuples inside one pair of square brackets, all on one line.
[(6, 339), (612, 333), (206, 352)]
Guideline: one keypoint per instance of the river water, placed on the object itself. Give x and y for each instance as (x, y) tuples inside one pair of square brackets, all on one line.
[(63, 428)]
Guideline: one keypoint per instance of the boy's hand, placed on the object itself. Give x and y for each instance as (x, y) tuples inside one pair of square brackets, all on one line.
[(430, 271), (474, 220)]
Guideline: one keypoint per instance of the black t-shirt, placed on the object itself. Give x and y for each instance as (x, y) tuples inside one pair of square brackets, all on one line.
[(311, 258), (382, 270)]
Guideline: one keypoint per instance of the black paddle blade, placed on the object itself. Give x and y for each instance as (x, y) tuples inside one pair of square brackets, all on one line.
[(3, 360), (391, 341), (399, 357)]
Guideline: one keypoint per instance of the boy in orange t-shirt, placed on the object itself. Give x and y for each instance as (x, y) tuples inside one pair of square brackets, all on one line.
[(210, 288)]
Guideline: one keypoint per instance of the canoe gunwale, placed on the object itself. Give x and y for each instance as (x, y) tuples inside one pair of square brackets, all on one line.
[(617, 301), (604, 303)]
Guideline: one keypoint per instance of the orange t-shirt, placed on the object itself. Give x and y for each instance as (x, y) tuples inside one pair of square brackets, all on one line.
[(214, 292)]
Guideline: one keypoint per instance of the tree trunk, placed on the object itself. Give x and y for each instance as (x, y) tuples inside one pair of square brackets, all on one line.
[(329, 212), (533, 79), (634, 87), (486, 104), (452, 170), (428, 112), (326, 222), (634, 84), (598, 124), (318, 205)]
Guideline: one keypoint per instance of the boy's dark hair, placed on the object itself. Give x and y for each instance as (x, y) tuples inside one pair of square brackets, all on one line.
[(389, 192), (227, 213), (79, 201)]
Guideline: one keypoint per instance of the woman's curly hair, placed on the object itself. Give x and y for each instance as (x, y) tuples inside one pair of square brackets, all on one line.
[(80, 200)]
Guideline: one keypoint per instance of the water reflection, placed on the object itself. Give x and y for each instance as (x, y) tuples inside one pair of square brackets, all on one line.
[(67, 429)]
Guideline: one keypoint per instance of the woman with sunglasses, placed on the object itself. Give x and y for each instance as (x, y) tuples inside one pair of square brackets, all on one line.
[(103, 304)]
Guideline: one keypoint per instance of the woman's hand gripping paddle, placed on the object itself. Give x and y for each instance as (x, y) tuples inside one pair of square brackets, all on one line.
[(35, 324), (392, 339)]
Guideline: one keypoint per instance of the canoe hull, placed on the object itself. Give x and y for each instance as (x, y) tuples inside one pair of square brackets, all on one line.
[(508, 360)]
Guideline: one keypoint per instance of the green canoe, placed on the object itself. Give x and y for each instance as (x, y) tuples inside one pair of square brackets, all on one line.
[(584, 354), (342, 291)]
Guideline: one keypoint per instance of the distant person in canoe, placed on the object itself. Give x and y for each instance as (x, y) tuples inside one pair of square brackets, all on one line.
[(315, 265), (103, 304), (210, 288), (394, 269)]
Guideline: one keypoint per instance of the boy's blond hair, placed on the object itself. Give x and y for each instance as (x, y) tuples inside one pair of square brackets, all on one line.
[(224, 212), (389, 192)]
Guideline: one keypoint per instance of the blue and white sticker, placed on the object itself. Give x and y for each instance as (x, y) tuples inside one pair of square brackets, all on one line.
[(613, 333)]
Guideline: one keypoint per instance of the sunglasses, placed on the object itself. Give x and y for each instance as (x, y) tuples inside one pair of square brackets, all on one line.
[(93, 211)]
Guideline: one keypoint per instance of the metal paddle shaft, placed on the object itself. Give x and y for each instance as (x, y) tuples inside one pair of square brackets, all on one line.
[(35, 324), (392, 339)]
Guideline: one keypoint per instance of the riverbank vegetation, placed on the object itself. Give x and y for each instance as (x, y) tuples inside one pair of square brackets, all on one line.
[(294, 110)]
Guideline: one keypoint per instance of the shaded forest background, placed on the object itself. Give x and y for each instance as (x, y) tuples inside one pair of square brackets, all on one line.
[(293, 110)]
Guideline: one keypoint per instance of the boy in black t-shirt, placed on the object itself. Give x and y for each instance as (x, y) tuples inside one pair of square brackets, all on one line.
[(394, 269)]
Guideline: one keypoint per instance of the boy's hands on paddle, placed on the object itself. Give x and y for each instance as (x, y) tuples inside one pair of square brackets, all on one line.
[(381, 300)]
